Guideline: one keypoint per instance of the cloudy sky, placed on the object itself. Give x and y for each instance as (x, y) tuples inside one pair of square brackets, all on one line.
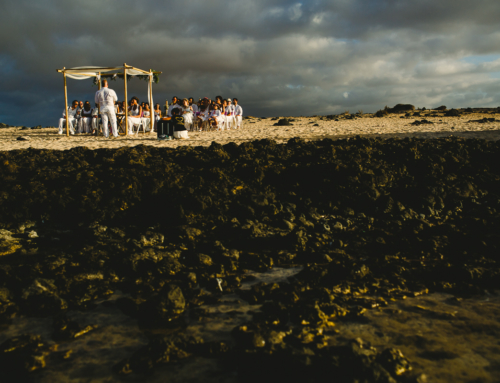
[(278, 57)]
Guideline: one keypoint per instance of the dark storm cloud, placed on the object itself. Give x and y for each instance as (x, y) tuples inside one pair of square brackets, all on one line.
[(278, 57)]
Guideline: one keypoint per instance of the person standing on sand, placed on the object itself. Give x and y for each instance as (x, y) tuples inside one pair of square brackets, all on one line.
[(238, 113), (106, 98)]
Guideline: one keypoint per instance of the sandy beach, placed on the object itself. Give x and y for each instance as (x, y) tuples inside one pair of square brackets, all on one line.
[(308, 128)]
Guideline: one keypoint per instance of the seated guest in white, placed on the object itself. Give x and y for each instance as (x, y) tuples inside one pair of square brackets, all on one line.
[(85, 118), (187, 113), (134, 114), (71, 117), (79, 109), (238, 114), (157, 112), (146, 115), (203, 113), (172, 106), (229, 115), (223, 113), (215, 117), (178, 124), (95, 119), (193, 105)]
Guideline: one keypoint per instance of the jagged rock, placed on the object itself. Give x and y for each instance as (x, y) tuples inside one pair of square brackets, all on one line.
[(8, 244), (283, 122)]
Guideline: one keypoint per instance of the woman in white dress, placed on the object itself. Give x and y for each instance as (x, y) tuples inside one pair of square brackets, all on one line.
[(85, 118), (157, 115), (187, 113), (134, 114), (203, 113), (146, 116), (215, 117)]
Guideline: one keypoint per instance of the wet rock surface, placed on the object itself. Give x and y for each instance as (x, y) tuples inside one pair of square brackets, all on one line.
[(163, 237)]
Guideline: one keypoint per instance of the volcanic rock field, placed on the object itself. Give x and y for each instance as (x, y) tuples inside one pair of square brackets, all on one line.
[(303, 261)]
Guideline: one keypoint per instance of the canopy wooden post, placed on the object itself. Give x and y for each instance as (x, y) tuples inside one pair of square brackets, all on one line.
[(151, 108), (66, 104), (126, 103), (98, 107)]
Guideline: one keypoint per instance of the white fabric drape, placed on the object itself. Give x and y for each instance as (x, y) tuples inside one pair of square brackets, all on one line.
[(85, 72)]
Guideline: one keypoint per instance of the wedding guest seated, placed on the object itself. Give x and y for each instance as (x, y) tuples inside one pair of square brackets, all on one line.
[(71, 117), (215, 117), (172, 106), (95, 119), (134, 114), (85, 118), (238, 114), (193, 105), (146, 115), (187, 113), (157, 112), (178, 125), (203, 113)]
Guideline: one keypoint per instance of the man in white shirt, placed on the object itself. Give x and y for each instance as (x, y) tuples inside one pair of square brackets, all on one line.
[(174, 104), (106, 99), (193, 105), (238, 113), (229, 114), (71, 117)]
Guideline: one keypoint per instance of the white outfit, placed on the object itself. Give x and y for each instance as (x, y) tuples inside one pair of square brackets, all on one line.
[(85, 121), (71, 118), (188, 117), (145, 120), (133, 119), (181, 134), (195, 108), (218, 119), (95, 120), (173, 106), (229, 112), (106, 99), (157, 118), (238, 116)]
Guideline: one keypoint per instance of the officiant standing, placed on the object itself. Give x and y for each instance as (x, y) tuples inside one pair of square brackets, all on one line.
[(106, 99)]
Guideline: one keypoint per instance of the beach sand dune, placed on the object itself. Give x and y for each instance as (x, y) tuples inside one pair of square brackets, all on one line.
[(308, 128)]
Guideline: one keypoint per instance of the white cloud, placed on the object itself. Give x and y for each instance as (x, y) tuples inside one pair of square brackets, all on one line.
[(295, 12), (279, 57)]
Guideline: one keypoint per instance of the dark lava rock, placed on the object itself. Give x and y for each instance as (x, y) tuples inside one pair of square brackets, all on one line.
[(283, 122), (442, 107), (66, 329), (22, 139), (421, 122), (485, 120), (164, 350), (368, 220), (401, 108), (382, 112), (2, 125), (452, 113), (22, 355), (42, 298), (316, 125)]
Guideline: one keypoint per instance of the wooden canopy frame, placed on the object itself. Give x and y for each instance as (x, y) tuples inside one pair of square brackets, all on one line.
[(110, 71)]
